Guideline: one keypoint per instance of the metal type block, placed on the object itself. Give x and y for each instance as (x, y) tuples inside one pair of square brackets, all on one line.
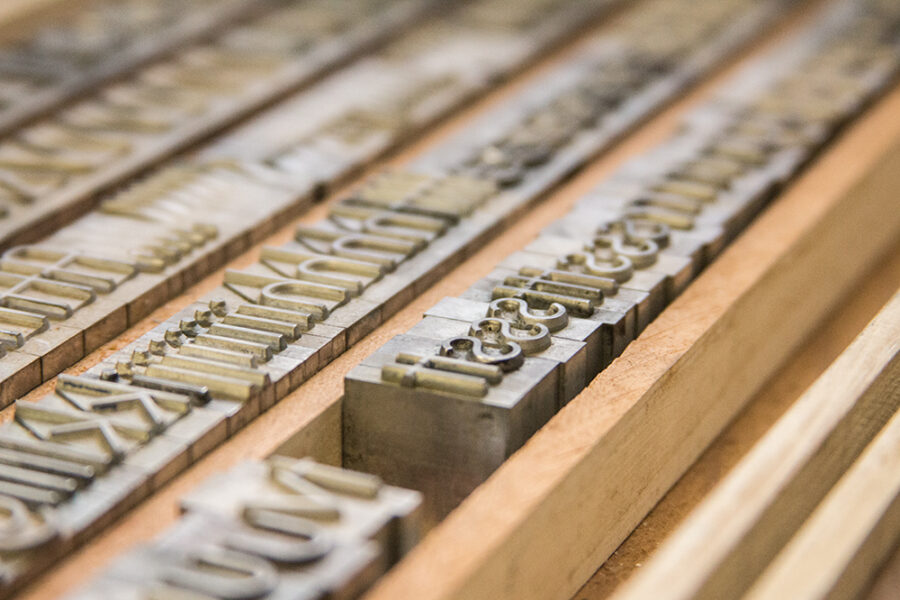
[(621, 275), (350, 506), (697, 246), (681, 212), (19, 372), (560, 323), (105, 500), (357, 319), (283, 528), (442, 424), (13, 437), (258, 285), (161, 459), (648, 261), (513, 322), (203, 429), (31, 540), (182, 569), (617, 315)]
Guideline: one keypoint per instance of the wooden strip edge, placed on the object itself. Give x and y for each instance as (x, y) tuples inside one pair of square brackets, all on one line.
[(745, 521), (561, 505), (838, 550)]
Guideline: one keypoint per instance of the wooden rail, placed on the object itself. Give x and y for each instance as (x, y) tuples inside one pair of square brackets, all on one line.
[(609, 456)]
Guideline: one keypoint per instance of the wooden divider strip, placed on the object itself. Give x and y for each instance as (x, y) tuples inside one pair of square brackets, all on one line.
[(308, 421), (837, 550), (560, 506), (777, 396), (745, 521)]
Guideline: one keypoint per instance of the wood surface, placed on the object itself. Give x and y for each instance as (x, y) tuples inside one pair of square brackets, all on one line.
[(308, 420), (888, 580), (562, 460), (607, 458), (748, 518), (838, 549), (19, 17), (777, 396)]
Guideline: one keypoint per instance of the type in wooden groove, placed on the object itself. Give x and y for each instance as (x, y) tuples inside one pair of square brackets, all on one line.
[(606, 459)]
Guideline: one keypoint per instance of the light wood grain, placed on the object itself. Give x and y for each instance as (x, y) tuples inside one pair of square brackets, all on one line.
[(805, 366), (559, 507), (744, 522), (307, 422), (838, 549)]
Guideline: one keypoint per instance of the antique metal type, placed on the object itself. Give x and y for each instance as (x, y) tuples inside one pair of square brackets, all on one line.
[(73, 53), (139, 247), (442, 406), (187, 220), (282, 528), (492, 366), (55, 167), (152, 408)]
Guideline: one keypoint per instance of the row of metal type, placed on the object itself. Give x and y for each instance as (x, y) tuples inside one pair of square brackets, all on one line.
[(85, 283), (108, 438), (439, 408), (54, 167), (419, 76), (109, 268), (71, 52), (280, 528), (442, 406)]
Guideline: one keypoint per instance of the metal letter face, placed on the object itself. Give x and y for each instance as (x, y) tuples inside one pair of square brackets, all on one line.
[(78, 457), (430, 408), (283, 528), (185, 220), (29, 535), (606, 323), (439, 408), (346, 504), (506, 322), (446, 427)]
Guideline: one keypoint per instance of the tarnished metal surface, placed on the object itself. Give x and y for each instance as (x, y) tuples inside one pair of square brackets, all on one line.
[(436, 409), (186, 220), (275, 323), (282, 528), (609, 267)]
